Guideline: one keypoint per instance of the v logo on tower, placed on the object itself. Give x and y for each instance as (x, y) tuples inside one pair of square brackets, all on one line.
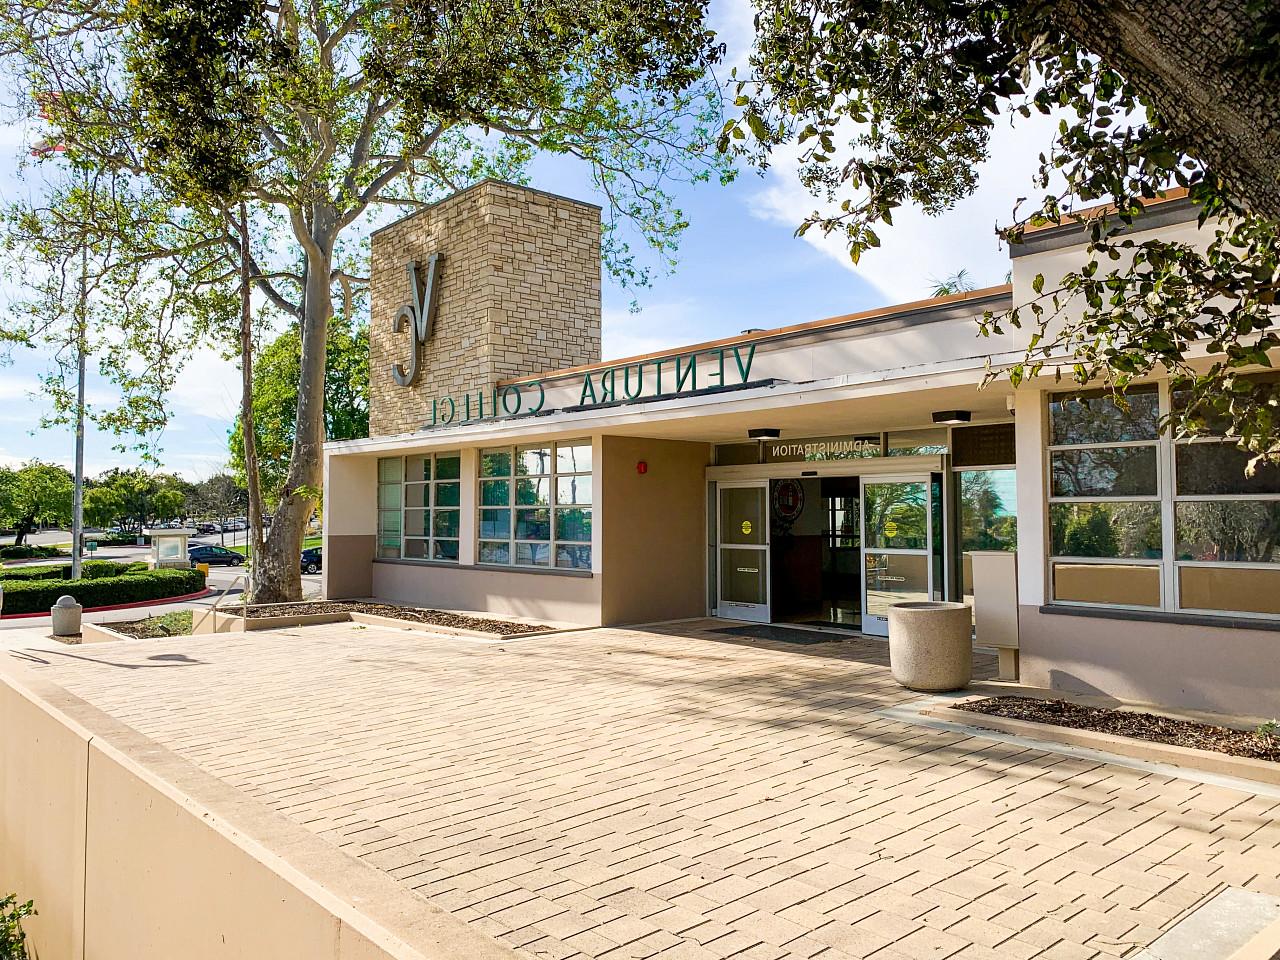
[(420, 312)]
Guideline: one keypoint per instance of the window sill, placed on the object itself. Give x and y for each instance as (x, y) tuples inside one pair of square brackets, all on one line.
[(491, 567), (1225, 621)]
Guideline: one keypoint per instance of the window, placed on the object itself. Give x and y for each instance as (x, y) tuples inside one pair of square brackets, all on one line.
[(535, 505), (418, 506), (1227, 528), (1106, 541), (1140, 519)]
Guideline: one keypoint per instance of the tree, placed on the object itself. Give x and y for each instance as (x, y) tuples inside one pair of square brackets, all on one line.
[(219, 497), (134, 498), (343, 108), (892, 104), (34, 493), (958, 282), (275, 400)]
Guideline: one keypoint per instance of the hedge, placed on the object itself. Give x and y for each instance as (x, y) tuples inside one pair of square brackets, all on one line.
[(27, 551), (37, 596), (89, 570), (117, 540)]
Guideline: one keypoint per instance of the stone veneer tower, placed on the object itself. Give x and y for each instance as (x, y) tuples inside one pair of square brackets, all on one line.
[(518, 294)]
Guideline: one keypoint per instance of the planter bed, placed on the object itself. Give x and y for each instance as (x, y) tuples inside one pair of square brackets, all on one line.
[(1129, 723), (309, 613)]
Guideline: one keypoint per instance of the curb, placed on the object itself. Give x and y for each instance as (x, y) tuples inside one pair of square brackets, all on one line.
[(121, 606)]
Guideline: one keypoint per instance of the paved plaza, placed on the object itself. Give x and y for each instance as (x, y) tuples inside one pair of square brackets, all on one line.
[(683, 793)]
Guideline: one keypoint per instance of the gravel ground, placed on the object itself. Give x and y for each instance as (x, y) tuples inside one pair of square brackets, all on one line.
[(1139, 726), (414, 614)]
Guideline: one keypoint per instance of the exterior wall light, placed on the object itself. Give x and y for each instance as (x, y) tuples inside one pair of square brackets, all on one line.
[(642, 467), (952, 416), (764, 433)]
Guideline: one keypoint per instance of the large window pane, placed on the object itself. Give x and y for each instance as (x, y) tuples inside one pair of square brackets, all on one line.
[(896, 516), (988, 505), (390, 470), (495, 552), (495, 493), (573, 524), (532, 461), (1105, 530), (445, 550), (416, 549), (389, 496), (573, 457), (389, 522), (418, 468), (447, 494), (1129, 584), (912, 443), (533, 554), (448, 467), (573, 489), (495, 524), (533, 524), (573, 557), (417, 523), (1092, 416), (495, 463), (1111, 472), (1219, 468), (446, 523), (533, 492), (1246, 531), (417, 494), (1229, 589)]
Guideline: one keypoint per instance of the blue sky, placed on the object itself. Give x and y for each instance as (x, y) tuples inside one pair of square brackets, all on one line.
[(740, 267)]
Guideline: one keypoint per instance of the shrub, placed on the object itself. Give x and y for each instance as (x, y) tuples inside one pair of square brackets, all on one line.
[(13, 942), (89, 570), (37, 596), (26, 551), (117, 540)]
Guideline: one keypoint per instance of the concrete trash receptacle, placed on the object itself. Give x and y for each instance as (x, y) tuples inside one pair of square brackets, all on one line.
[(66, 617), (931, 645)]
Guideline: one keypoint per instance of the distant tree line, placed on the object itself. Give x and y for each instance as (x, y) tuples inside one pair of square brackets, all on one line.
[(39, 494)]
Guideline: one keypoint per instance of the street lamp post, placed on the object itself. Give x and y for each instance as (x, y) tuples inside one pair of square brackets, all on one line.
[(77, 502)]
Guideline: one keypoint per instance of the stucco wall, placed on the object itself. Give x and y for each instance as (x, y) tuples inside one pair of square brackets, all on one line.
[(519, 293), (502, 590), (1179, 666), (655, 531)]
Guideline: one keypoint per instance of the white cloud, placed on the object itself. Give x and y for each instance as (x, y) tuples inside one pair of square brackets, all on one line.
[(654, 327), (917, 247), (208, 386)]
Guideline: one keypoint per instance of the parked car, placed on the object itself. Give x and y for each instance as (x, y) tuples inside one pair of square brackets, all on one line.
[(313, 560), (204, 529), (214, 555)]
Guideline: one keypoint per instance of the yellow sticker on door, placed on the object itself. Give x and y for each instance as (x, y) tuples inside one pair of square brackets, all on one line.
[(746, 527), (891, 529)]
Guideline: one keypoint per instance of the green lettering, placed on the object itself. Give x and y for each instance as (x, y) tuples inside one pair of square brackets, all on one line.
[(744, 371), (687, 374), (509, 391), (588, 390), (657, 387), (542, 396), (608, 391), (453, 410), (718, 371), (626, 380)]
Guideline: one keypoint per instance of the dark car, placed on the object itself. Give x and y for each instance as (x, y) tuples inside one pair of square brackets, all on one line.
[(312, 559), (214, 556)]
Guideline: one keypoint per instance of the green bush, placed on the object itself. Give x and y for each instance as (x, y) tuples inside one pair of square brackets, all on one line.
[(26, 551), (117, 540), (89, 570), (37, 596), (13, 942)]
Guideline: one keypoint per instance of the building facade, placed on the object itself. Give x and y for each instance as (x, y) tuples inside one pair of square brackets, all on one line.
[(811, 474)]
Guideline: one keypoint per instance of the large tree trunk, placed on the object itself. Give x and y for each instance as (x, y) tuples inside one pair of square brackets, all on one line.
[(278, 573), (1186, 61), (22, 529)]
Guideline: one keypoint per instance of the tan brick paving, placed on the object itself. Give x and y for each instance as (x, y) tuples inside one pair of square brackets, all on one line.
[(623, 794)]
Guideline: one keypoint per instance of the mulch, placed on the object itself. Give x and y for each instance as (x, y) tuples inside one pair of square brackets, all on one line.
[(438, 618), (1138, 726)]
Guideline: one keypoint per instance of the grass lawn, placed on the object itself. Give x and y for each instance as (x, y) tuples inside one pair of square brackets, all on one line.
[(307, 543)]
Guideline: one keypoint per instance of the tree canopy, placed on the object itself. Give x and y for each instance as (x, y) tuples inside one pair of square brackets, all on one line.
[(891, 104), (33, 493), (320, 116)]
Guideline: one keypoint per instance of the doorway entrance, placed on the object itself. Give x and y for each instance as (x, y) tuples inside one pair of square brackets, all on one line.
[(742, 551), (815, 551)]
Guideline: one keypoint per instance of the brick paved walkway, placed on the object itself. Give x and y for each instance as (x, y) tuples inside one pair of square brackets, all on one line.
[(622, 794)]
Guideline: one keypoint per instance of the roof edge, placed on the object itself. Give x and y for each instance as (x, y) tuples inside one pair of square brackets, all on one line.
[(487, 181)]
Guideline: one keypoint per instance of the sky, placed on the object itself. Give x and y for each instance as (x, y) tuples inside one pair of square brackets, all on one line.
[(740, 266)]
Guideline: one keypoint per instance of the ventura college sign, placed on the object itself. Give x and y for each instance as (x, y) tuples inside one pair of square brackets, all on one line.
[(657, 377)]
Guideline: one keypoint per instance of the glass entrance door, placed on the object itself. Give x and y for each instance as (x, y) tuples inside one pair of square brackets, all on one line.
[(896, 544), (742, 551)]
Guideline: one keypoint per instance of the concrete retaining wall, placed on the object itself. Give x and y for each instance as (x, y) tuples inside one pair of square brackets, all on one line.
[(131, 852)]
